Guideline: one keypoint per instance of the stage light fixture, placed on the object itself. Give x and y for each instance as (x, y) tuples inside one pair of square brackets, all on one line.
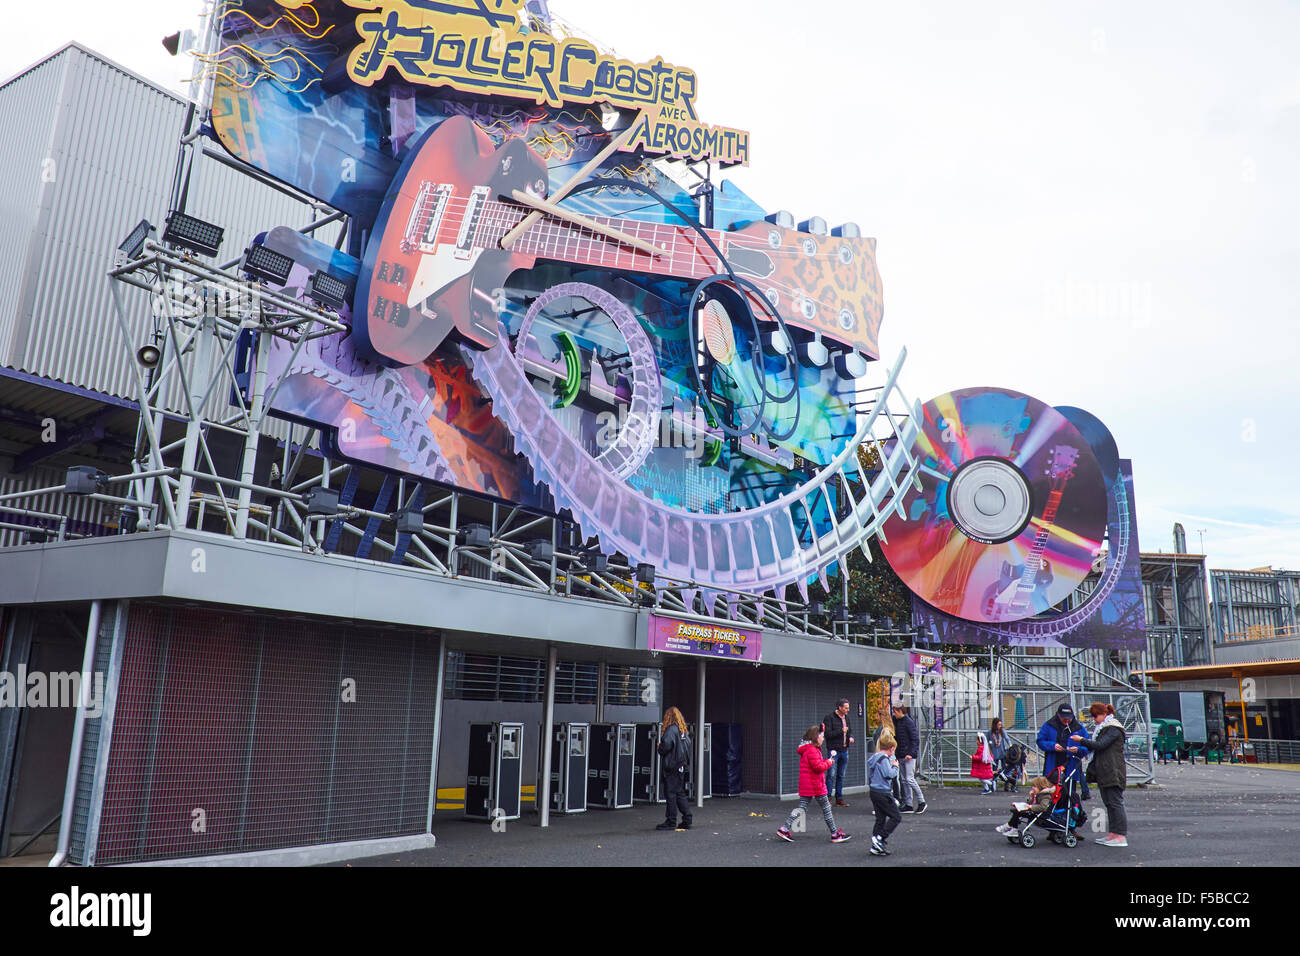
[(475, 536), (816, 608), (267, 265), (595, 561), (193, 234), (541, 550), (322, 502), (842, 615), (409, 522), (866, 620), (329, 290), (83, 480), (149, 356), (133, 244), (645, 573)]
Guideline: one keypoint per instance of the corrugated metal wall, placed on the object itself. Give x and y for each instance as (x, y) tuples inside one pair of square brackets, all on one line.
[(91, 150)]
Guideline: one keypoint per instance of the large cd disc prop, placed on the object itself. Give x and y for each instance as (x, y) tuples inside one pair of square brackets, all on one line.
[(1011, 511)]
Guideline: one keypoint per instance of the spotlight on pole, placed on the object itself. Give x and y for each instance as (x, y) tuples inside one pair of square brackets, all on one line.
[(329, 290), (475, 536), (194, 234), (84, 480), (322, 502), (267, 265), (541, 550), (133, 244), (409, 522)]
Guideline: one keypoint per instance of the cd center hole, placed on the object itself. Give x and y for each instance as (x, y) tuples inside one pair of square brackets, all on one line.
[(990, 500)]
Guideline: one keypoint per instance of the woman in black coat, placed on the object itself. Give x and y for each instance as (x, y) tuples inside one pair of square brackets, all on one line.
[(1108, 769)]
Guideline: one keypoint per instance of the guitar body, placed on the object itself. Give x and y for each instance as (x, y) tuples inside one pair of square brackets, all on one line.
[(434, 264), (423, 275)]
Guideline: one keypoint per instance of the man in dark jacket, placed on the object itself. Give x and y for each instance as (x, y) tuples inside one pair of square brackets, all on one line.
[(1058, 750), (909, 745), (838, 740)]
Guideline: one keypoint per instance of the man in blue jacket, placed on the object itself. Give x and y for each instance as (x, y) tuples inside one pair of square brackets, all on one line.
[(1058, 750)]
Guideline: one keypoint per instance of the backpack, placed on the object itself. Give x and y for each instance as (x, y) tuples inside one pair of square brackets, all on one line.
[(682, 752)]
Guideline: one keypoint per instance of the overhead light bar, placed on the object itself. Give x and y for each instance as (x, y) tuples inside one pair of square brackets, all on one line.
[(193, 234), (329, 290), (267, 265)]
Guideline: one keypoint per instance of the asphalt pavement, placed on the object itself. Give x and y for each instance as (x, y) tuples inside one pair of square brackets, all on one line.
[(1201, 816)]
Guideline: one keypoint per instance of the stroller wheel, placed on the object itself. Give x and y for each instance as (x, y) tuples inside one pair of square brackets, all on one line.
[(1071, 840), (1027, 840)]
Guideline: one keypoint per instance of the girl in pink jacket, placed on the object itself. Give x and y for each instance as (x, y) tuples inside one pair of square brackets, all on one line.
[(981, 763), (812, 786)]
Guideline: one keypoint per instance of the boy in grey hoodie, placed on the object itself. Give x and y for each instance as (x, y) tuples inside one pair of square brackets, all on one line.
[(882, 768)]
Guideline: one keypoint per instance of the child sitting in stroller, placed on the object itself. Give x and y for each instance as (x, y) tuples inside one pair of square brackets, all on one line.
[(1012, 768), (1041, 793)]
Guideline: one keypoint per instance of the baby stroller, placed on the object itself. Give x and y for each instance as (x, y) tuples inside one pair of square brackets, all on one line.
[(1063, 818), (1012, 768)]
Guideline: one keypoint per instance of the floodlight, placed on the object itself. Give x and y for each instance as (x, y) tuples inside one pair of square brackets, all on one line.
[(193, 234), (267, 265), (133, 244), (409, 522), (322, 502), (329, 289), (541, 550), (645, 573), (84, 480), (476, 536)]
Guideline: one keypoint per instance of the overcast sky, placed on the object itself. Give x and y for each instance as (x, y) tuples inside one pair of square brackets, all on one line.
[(1094, 203)]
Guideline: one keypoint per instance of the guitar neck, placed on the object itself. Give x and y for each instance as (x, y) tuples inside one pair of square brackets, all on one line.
[(685, 254)]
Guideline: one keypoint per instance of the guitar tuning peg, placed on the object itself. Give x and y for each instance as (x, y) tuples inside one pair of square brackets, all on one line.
[(849, 230), (815, 224), (850, 364), (814, 352), (775, 342), (782, 218)]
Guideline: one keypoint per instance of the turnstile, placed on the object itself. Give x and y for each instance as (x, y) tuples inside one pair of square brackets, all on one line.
[(570, 748), (646, 782), (495, 778), (610, 767)]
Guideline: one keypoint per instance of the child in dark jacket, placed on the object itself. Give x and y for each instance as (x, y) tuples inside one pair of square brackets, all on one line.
[(882, 768), (812, 786), (1041, 794)]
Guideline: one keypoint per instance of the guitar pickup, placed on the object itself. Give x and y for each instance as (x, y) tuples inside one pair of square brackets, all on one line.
[(469, 224), (426, 216)]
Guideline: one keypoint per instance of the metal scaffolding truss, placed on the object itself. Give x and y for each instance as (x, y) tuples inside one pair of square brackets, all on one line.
[(1177, 624), (1015, 685)]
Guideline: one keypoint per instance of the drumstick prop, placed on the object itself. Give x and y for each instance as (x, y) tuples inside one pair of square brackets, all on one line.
[(613, 147)]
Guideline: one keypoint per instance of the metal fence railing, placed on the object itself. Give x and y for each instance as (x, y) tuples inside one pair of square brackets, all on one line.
[(1276, 751)]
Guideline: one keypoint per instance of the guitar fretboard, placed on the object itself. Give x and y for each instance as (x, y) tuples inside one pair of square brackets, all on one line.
[(684, 253)]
